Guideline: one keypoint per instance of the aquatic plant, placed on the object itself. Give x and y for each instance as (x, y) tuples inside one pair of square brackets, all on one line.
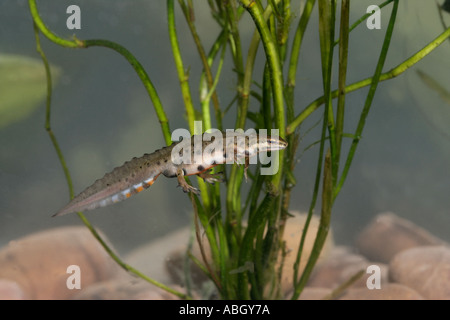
[(245, 231)]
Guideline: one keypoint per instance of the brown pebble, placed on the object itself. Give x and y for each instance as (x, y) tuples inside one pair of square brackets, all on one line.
[(340, 266), (158, 250), (310, 293), (39, 262), (425, 269), (389, 234), (292, 234), (388, 291), (10, 290), (122, 289), (175, 267)]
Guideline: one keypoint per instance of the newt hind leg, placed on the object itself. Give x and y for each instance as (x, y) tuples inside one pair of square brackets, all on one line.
[(211, 177), (183, 184)]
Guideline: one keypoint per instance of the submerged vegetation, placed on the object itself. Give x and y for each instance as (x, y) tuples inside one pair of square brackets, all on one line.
[(244, 231)]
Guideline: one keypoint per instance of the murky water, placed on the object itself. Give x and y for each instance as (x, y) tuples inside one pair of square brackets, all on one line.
[(103, 117)]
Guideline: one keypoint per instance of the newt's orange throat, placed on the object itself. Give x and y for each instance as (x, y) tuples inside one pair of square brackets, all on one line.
[(181, 159)]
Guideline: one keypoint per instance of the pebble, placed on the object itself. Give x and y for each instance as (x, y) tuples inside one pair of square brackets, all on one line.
[(340, 266), (413, 264), (389, 234), (389, 291), (10, 290), (155, 258), (38, 263), (425, 269), (313, 293), (122, 289), (292, 234)]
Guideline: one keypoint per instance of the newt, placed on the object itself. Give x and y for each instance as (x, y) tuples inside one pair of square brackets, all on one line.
[(140, 173)]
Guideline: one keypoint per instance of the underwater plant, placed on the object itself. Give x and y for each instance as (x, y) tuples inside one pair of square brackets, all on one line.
[(244, 230)]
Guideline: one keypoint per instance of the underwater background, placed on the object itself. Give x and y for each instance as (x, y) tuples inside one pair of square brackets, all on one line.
[(102, 117)]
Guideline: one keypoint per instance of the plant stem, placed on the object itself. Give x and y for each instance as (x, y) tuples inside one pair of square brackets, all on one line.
[(48, 104), (271, 50), (295, 51), (343, 56), (182, 76), (363, 18), (233, 206), (327, 13), (188, 14), (394, 72), (369, 99), (85, 221), (77, 43), (322, 232)]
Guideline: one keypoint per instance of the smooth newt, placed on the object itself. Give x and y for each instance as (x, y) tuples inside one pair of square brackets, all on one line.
[(140, 173)]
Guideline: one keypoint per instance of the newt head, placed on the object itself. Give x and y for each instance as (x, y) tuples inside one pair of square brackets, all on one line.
[(271, 143)]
